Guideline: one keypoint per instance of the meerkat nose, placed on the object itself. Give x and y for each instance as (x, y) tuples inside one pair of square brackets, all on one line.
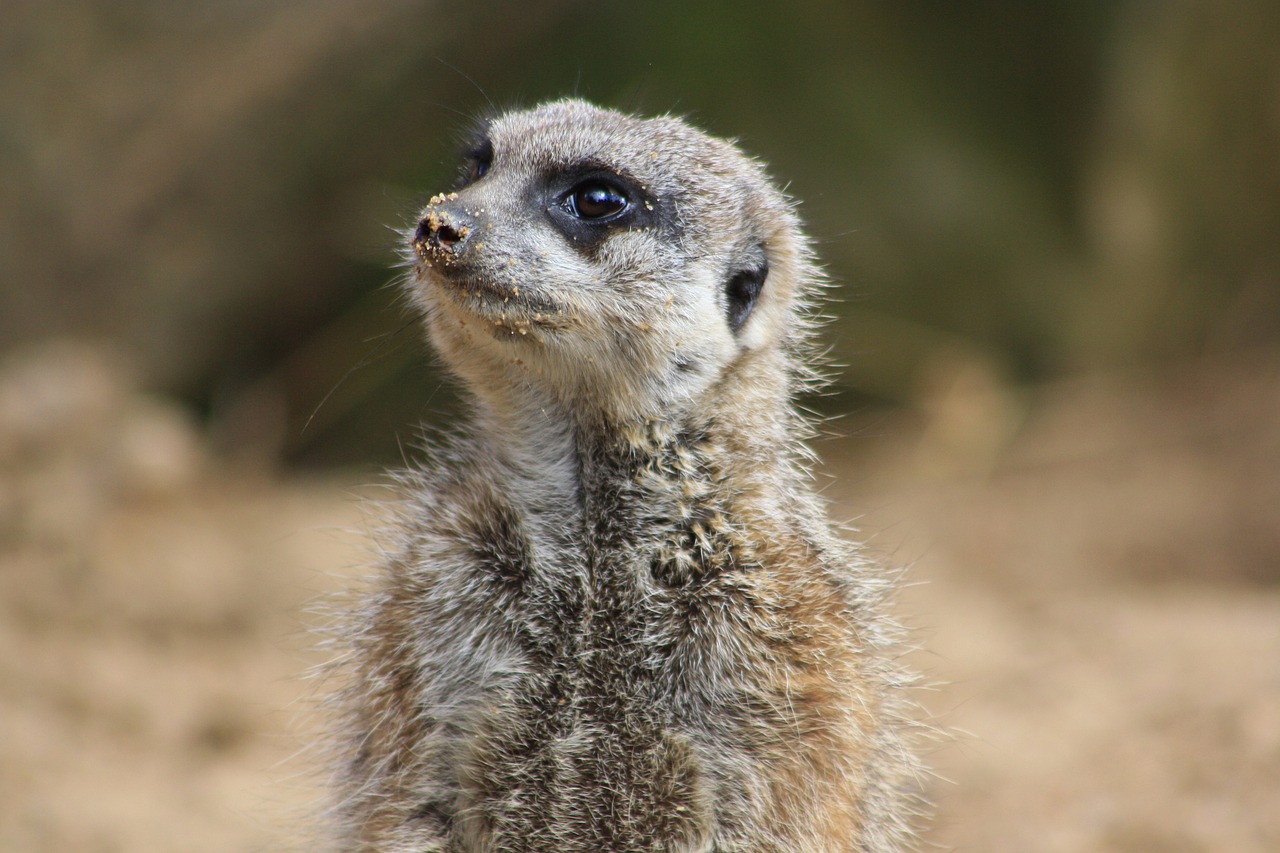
[(441, 235), (446, 236)]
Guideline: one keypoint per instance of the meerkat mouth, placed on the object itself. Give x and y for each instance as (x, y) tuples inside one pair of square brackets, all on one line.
[(476, 289), (511, 310)]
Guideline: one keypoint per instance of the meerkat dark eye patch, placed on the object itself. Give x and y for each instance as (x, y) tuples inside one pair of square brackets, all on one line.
[(476, 160), (742, 290), (589, 204)]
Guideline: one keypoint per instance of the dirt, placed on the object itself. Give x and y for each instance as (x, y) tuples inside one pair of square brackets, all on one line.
[(1094, 573)]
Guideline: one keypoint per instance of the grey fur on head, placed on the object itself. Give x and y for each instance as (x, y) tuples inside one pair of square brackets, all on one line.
[(613, 616)]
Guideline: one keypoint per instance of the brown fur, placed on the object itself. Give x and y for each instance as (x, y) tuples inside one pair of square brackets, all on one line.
[(614, 617)]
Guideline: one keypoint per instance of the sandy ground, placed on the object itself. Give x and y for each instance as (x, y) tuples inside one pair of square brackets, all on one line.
[(1095, 574)]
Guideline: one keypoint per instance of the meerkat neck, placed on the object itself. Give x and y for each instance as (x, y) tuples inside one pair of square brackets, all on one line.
[(740, 438)]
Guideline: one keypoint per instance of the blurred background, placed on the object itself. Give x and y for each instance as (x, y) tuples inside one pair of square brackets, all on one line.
[(1054, 230)]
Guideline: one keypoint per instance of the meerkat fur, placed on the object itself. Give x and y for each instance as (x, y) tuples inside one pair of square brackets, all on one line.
[(613, 616)]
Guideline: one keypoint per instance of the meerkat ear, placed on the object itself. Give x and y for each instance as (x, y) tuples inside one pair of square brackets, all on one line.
[(742, 289)]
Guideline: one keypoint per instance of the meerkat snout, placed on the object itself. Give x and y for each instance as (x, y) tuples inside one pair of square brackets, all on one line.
[(443, 233)]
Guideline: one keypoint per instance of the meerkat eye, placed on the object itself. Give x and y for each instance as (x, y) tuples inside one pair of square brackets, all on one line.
[(595, 201)]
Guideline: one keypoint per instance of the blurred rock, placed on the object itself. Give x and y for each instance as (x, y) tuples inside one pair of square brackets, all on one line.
[(77, 436), (56, 395), (972, 413)]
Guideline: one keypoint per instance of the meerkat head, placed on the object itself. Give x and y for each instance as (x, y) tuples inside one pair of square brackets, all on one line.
[(617, 264)]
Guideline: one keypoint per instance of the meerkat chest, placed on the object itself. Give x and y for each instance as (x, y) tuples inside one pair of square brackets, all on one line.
[(644, 590), (633, 626), (638, 602)]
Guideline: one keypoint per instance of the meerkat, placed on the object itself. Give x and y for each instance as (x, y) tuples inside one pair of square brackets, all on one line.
[(614, 617)]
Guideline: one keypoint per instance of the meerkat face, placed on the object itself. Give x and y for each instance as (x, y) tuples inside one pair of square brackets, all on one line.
[(614, 261)]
